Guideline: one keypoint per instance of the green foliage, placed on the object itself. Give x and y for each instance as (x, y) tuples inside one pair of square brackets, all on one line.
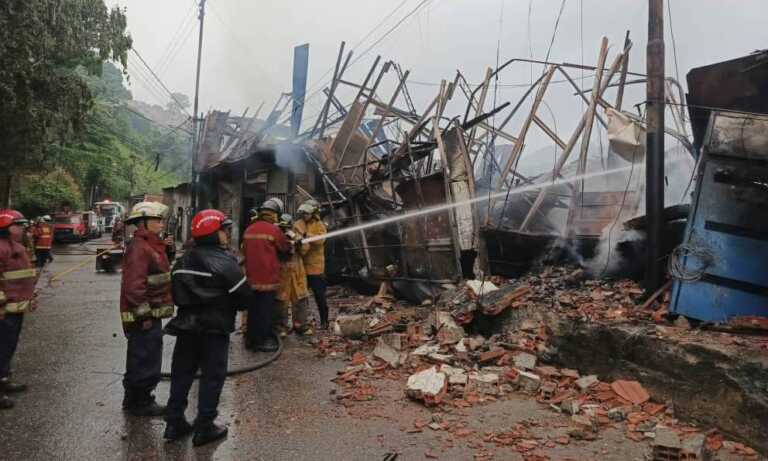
[(43, 43), (39, 195)]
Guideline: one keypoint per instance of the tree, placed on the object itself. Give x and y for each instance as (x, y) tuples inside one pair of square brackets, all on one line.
[(43, 46), (179, 102)]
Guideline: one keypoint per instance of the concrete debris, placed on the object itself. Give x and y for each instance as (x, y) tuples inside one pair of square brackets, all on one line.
[(528, 382), (427, 385), (351, 326), (386, 352), (524, 361), (666, 445), (450, 333), (475, 342), (456, 376), (480, 288), (483, 383), (585, 382), (440, 358), (425, 350), (570, 406)]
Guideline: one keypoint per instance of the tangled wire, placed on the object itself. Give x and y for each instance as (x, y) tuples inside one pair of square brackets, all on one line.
[(685, 253)]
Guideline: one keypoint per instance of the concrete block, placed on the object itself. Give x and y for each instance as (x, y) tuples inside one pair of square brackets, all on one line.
[(524, 361)]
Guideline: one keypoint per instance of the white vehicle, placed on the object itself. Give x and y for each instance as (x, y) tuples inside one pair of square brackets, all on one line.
[(109, 211)]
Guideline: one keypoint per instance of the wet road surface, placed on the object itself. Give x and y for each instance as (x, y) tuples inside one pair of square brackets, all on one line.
[(72, 356)]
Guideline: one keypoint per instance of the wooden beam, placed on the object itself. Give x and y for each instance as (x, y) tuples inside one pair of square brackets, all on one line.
[(552, 135), (571, 143)]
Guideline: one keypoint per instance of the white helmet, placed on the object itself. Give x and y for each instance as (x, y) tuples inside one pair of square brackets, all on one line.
[(273, 204), (308, 207), (147, 210), (47, 218)]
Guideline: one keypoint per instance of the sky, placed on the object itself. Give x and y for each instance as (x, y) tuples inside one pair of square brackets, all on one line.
[(248, 44)]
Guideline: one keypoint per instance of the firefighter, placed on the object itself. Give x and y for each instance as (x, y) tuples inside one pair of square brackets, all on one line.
[(262, 243), (145, 299), (17, 287), (309, 224), (292, 296), (43, 232), (208, 287), (117, 231)]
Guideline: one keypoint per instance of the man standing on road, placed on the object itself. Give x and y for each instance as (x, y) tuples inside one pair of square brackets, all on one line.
[(145, 299), (293, 293), (310, 225), (208, 287), (43, 232), (262, 242), (17, 296)]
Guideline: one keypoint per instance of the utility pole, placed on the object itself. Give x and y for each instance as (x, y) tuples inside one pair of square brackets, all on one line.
[(195, 118), (654, 158)]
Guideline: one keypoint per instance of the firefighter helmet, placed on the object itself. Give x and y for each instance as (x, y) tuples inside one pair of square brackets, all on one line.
[(286, 220), (208, 222), (47, 218), (273, 204), (146, 210), (9, 217), (307, 208)]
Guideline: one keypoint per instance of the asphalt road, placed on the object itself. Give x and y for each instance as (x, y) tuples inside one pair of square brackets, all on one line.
[(72, 356)]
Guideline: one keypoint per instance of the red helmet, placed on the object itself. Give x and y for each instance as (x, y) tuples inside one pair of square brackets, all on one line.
[(208, 222), (8, 217)]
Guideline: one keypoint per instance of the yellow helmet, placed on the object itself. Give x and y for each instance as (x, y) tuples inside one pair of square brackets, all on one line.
[(143, 210)]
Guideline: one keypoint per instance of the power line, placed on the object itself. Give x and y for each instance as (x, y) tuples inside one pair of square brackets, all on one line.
[(554, 32), (160, 81), (390, 30), (177, 35)]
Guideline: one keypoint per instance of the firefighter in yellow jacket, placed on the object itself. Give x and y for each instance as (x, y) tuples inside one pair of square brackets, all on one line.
[(293, 294), (309, 224)]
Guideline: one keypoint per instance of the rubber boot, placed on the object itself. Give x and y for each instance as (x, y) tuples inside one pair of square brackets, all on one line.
[(174, 430), (208, 433), (269, 345), (148, 407), (11, 387), (6, 403)]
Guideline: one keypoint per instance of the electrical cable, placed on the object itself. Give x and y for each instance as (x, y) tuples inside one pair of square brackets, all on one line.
[(554, 31), (679, 256), (176, 37), (246, 368), (181, 106)]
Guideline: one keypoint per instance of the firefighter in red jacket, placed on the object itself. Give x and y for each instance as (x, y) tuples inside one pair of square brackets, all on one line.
[(17, 289), (43, 232), (262, 243), (145, 299)]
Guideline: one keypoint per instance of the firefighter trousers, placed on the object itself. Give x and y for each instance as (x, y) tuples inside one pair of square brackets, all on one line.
[(143, 363), (10, 331), (261, 315), (318, 286), (209, 353)]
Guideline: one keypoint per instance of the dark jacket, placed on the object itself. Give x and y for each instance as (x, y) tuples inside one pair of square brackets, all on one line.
[(208, 286)]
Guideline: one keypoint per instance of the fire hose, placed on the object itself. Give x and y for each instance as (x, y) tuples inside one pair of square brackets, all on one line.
[(246, 368), (233, 372)]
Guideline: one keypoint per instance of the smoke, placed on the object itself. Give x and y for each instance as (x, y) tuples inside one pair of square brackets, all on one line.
[(291, 157)]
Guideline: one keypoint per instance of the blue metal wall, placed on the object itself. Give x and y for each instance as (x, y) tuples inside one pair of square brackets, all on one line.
[(729, 220)]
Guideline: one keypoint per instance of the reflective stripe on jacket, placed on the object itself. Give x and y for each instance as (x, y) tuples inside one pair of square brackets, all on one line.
[(314, 256), (17, 277), (146, 286), (43, 236), (262, 241)]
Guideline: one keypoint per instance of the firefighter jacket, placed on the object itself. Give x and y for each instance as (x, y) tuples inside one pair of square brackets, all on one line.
[(43, 236), (293, 278), (146, 288), (17, 278), (208, 287), (262, 243), (314, 256)]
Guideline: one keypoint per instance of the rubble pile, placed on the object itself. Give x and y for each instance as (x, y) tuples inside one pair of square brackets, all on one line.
[(440, 365)]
